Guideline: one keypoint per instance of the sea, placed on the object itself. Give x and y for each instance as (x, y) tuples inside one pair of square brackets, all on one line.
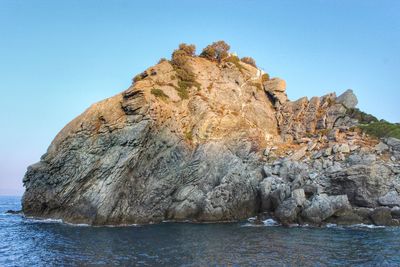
[(32, 242)]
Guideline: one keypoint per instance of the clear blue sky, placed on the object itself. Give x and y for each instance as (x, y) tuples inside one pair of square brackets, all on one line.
[(58, 57)]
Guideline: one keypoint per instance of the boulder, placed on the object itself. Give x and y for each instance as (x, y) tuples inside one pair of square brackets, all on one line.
[(287, 211), (299, 154), (361, 159), (391, 199), (280, 194), (289, 170), (311, 189), (395, 212), (393, 143), (276, 88), (328, 151), (346, 217), (382, 216), (299, 196), (267, 151), (343, 148), (363, 184), (323, 206), (364, 213), (381, 147), (348, 99), (339, 203), (267, 171)]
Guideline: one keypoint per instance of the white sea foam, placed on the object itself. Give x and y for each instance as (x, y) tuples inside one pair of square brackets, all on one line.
[(118, 225), (270, 222), (251, 223), (267, 223), (252, 219), (36, 220), (331, 225), (369, 226), (60, 221), (77, 224)]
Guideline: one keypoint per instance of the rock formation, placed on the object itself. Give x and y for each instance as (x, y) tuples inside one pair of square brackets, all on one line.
[(215, 141)]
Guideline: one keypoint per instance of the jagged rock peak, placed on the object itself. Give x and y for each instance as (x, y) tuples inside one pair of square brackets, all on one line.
[(348, 99)]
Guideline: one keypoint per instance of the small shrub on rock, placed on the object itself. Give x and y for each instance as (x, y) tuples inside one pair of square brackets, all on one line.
[(189, 135), (179, 58), (189, 49), (186, 78), (249, 60), (159, 93), (265, 77), (234, 60), (140, 77), (185, 75), (180, 55), (163, 59)]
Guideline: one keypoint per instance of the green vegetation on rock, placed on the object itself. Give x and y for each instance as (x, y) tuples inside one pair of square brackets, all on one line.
[(382, 129), (189, 135), (234, 60), (372, 126), (186, 79), (159, 93), (362, 117)]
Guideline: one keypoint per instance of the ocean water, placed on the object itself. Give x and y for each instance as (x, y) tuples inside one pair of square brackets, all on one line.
[(27, 242)]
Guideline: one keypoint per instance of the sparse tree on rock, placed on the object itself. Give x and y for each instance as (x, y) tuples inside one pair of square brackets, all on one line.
[(216, 51)]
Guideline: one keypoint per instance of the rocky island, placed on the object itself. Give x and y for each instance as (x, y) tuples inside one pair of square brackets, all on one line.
[(213, 138)]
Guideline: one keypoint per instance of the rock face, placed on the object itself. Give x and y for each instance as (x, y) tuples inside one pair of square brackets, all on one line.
[(276, 89), (226, 147), (139, 158), (348, 99)]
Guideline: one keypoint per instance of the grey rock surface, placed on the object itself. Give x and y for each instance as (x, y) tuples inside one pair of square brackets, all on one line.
[(299, 196), (348, 99), (383, 216), (391, 199), (323, 206), (287, 211), (363, 184)]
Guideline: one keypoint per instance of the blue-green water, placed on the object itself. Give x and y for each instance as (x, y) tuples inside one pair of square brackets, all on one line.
[(25, 242)]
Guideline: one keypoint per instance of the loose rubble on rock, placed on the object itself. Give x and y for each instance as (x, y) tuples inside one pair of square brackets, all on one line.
[(226, 147)]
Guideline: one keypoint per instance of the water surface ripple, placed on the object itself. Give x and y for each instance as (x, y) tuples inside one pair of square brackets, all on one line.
[(26, 242)]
